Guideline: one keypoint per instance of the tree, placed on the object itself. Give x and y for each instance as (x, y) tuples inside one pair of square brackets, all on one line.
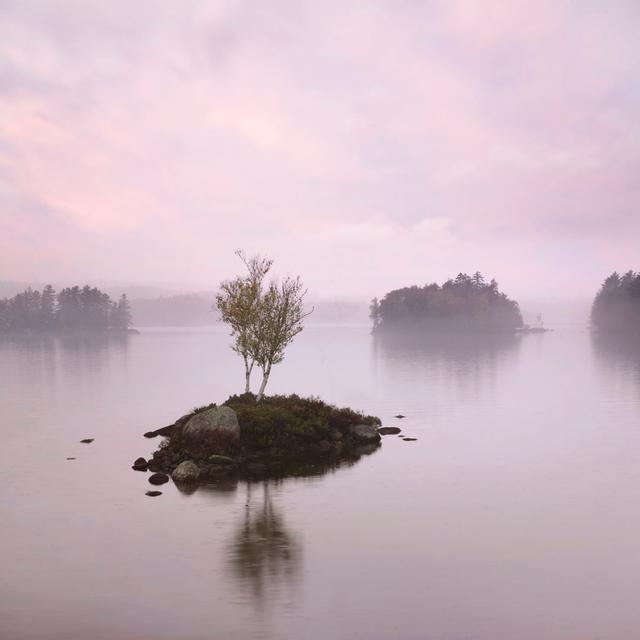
[(120, 317), (279, 321), (466, 303), (616, 307), (48, 308), (239, 303), (374, 312)]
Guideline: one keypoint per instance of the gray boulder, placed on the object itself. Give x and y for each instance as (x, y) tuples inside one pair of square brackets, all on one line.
[(186, 471), (364, 432), (211, 424)]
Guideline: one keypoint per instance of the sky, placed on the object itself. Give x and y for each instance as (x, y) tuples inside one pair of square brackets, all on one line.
[(364, 145)]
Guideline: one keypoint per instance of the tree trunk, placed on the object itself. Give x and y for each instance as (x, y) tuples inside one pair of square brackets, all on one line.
[(247, 375), (265, 379)]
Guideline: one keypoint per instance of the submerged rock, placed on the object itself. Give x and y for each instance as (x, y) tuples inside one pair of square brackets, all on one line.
[(365, 432), (153, 494), (211, 424), (386, 431), (399, 416), (70, 458), (409, 439), (158, 478), (87, 440), (187, 471)]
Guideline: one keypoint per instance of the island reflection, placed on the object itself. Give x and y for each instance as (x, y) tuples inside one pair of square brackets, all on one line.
[(619, 353), (465, 362)]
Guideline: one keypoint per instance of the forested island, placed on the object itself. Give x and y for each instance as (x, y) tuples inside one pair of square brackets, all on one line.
[(464, 304), (616, 307), (73, 309)]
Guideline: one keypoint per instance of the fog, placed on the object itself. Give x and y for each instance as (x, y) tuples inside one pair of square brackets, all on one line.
[(365, 147), (447, 446)]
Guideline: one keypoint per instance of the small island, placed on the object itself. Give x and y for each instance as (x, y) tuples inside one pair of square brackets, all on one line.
[(72, 310), (255, 435), (466, 304), (280, 436), (616, 306)]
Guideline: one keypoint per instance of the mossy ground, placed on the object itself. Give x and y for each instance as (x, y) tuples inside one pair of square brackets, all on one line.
[(281, 435)]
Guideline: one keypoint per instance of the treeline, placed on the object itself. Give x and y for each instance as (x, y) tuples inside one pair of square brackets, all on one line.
[(72, 309), (616, 307), (466, 303)]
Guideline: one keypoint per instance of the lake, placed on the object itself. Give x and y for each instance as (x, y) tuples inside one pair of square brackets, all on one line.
[(514, 515)]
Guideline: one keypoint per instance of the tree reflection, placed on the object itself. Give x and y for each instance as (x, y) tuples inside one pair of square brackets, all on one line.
[(619, 353), (465, 361), (264, 555)]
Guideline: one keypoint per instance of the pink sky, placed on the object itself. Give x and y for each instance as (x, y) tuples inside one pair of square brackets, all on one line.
[(364, 145)]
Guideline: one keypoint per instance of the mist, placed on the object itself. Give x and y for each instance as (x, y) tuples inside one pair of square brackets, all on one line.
[(365, 147), (319, 319)]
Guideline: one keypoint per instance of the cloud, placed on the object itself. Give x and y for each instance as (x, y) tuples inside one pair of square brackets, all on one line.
[(405, 141)]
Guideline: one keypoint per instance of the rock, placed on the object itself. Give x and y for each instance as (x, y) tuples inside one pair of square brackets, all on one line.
[(158, 478), (386, 431), (335, 435), (153, 494), (140, 464), (217, 459), (364, 432), (409, 439), (167, 432), (70, 458), (212, 423), (325, 446), (87, 440), (399, 416), (186, 471)]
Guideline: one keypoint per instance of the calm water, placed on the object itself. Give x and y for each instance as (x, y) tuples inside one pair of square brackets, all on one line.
[(514, 516)]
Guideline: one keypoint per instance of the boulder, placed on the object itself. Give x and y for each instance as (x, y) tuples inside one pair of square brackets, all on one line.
[(153, 494), (409, 439), (87, 440), (186, 471), (211, 424), (386, 431), (158, 478), (364, 432)]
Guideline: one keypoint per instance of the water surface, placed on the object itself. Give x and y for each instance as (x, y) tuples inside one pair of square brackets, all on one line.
[(516, 513)]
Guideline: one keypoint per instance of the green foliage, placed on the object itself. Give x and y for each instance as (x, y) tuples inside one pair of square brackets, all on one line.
[(466, 303), (282, 421), (616, 307), (263, 321)]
